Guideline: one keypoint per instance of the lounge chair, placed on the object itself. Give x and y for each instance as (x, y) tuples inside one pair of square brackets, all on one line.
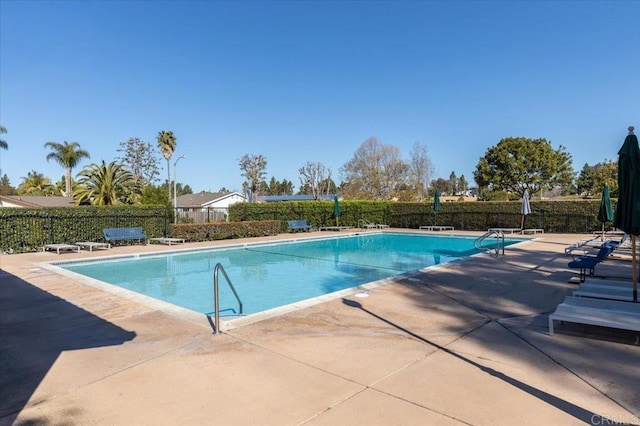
[(615, 290), (589, 263), (436, 228), (370, 225), (592, 245), (604, 313)]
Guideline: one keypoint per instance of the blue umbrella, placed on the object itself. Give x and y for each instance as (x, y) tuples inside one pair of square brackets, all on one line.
[(336, 208), (525, 208)]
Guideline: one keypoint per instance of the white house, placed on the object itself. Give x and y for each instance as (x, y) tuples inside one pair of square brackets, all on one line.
[(206, 206)]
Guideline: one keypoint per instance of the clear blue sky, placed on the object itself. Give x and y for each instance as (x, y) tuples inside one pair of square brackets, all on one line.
[(311, 80)]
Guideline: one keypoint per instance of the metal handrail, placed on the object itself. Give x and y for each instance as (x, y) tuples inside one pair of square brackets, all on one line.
[(216, 295), (499, 237)]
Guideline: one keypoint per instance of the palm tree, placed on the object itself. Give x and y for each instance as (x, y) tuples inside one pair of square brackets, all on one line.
[(106, 185), (36, 184), (167, 144), (3, 144), (68, 155)]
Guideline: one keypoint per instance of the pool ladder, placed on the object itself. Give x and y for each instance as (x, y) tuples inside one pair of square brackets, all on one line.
[(216, 295), (498, 234)]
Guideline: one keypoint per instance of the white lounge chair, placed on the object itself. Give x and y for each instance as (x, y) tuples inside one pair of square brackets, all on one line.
[(604, 313)]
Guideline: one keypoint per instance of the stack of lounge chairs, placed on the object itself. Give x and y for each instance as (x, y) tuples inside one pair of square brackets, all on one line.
[(592, 245), (598, 301)]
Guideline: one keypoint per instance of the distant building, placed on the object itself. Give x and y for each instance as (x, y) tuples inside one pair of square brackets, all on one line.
[(206, 206), (31, 201), (305, 197)]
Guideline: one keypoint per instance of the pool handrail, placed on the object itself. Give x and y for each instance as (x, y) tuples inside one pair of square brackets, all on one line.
[(216, 295), (499, 234)]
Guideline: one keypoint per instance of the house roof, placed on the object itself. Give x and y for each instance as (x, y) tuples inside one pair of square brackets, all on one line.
[(201, 198), (37, 201), (305, 197)]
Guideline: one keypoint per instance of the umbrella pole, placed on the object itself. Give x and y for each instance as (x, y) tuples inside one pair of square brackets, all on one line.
[(602, 235), (634, 268)]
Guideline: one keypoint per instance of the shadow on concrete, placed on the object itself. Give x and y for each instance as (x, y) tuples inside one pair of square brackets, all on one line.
[(35, 328), (580, 413), (521, 289)]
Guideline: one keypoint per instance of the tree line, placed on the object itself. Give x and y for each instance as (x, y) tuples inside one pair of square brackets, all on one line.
[(376, 171)]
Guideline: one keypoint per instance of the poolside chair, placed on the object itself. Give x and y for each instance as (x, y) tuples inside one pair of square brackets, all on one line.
[(591, 245), (624, 242), (589, 263)]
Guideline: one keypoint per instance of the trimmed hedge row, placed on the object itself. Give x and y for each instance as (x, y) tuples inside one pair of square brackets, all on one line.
[(552, 216), (225, 230), (26, 230)]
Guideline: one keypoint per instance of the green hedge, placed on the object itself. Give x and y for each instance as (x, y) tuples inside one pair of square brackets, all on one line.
[(552, 216), (225, 230), (28, 229)]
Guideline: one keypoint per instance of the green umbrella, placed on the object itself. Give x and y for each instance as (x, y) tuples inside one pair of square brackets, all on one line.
[(627, 217), (336, 208), (436, 205), (605, 214)]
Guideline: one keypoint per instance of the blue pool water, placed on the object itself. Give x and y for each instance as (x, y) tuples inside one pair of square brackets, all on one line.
[(267, 276)]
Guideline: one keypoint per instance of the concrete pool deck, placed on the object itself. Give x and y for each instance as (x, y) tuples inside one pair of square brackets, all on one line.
[(466, 343)]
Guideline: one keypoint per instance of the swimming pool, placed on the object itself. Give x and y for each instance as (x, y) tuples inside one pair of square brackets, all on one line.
[(268, 276)]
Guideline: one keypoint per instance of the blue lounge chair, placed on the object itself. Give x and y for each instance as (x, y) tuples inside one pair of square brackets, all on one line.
[(585, 263)]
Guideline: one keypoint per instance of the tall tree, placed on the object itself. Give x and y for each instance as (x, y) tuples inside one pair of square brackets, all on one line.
[(253, 169), (376, 171), (585, 181), (36, 183), (276, 187), (420, 169), (167, 143), (453, 184), (517, 164), (312, 176), (463, 185), (3, 143), (141, 158), (5, 186), (441, 185), (592, 178), (68, 155), (106, 185)]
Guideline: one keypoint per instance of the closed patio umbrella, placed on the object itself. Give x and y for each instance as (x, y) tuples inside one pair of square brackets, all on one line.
[(436, 205), (605, 214), (525, 208), (627, 217), (336, 208)]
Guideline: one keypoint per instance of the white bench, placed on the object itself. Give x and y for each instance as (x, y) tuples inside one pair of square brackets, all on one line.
[(604, 313), (335, 228), (91, 245), (167, 240), (437, 228), (506, 230), (58, 247), (533, 231)]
